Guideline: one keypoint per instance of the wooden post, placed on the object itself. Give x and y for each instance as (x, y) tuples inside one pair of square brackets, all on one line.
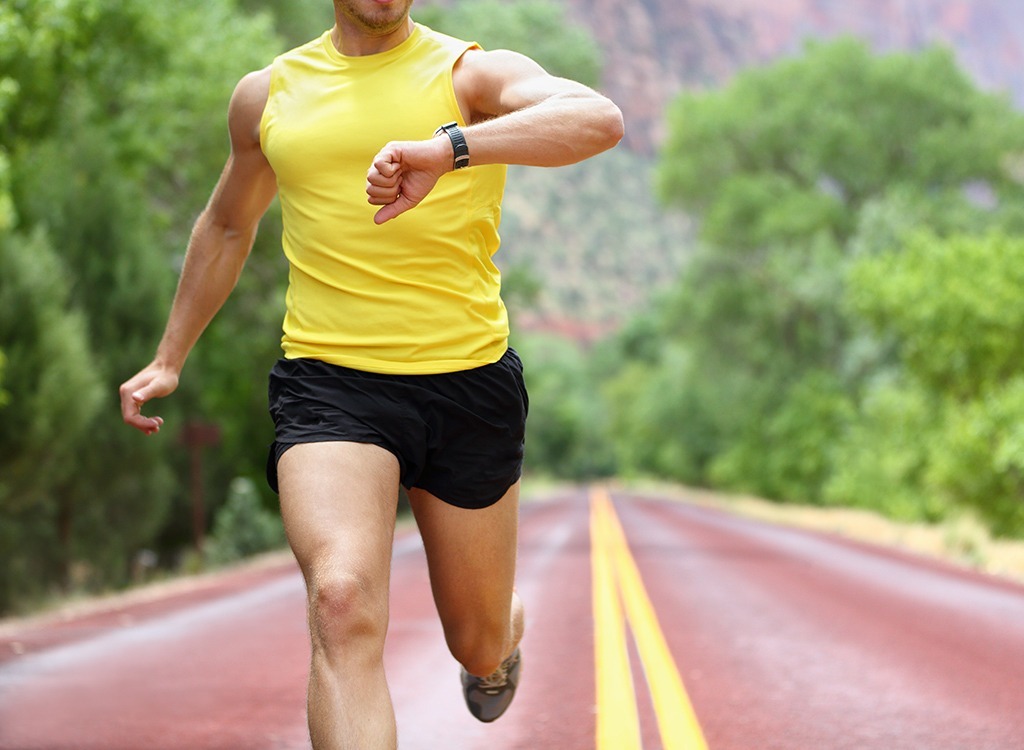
[(196, 436)]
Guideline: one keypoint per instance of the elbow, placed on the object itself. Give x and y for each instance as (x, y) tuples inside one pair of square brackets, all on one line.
[(222, 235), (612, 125), (598, 124)]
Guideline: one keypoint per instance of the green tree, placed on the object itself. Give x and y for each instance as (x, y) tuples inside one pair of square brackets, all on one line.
[(56, 396), (564, 430), (951, 310), (793, 170), (4, 395), (538, 28), (243, 527), (112, 120), (802, 145), (295, 21), (881, 459), (952, 307), (661, 422), (977, 460)]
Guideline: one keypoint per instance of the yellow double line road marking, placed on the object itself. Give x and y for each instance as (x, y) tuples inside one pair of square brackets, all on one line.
[(620, 596)]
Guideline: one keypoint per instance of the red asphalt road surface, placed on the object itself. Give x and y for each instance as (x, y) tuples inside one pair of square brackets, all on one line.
[(784, 639)]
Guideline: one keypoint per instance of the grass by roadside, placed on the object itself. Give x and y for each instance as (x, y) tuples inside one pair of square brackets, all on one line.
[(962, 541)]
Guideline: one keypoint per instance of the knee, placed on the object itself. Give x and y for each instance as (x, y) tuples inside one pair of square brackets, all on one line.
[(345, 612)]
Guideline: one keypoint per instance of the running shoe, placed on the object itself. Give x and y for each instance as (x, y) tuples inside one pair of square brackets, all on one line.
[(488, 697)]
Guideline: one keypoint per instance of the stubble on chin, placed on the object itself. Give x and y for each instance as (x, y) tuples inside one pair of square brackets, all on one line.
[(380, 20)]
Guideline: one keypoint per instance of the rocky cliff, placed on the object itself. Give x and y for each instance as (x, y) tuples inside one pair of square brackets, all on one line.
[(655, 48)]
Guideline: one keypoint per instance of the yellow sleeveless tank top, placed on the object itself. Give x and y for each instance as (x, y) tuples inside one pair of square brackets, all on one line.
[(419, 294)]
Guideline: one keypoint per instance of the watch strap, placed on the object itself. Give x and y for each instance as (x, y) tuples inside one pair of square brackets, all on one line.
[(459, 145)]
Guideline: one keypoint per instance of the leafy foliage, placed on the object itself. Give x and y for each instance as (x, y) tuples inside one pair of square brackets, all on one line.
[(951, 309), (803, 144), (243, 527), (56, 396), (648, 403), (4, 395), (978, 457), (536, 27), (111, 117), (881, 458), (820, 345), (565, 433), (295, 21)]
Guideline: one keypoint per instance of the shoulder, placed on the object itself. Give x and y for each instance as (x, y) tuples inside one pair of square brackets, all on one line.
[(499, 61), (247, 104), (254, 86), (483, 80), (497, 64)]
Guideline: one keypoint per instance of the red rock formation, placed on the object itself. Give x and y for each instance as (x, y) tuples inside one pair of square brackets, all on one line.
[(655, 48)]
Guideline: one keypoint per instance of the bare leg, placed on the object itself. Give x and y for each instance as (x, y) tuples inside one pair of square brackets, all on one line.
[(472, 559), (338, 501)]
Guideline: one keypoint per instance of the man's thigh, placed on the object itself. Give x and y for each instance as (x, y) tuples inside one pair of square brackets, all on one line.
[(471, 553), (338, 503)]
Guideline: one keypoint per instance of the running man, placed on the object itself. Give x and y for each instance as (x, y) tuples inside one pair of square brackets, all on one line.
[(387, 144)]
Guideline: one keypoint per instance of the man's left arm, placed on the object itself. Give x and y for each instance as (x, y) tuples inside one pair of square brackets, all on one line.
[(517, 114)]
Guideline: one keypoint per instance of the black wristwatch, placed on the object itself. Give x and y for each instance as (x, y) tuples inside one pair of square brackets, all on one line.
[(459, 146)]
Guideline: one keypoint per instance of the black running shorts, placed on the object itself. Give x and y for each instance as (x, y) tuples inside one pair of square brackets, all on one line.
[(457, 435)]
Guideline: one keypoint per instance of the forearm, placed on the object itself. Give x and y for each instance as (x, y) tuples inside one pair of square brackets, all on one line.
[(518, 114), (213, 263), (563, 129)]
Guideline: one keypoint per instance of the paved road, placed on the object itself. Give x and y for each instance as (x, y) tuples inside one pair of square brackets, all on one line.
[(703, 630)]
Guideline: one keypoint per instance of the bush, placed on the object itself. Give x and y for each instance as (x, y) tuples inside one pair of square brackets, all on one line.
[(882, 459), (243, 527), (789, 454), (979, 458)]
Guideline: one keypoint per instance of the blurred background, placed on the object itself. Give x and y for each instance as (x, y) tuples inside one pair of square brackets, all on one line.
[(800, 277)]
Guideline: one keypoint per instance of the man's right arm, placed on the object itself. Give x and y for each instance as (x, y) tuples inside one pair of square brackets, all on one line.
[(220, 243)]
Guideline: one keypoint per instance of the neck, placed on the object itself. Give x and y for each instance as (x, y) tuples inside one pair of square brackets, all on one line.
[(355, 41)]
